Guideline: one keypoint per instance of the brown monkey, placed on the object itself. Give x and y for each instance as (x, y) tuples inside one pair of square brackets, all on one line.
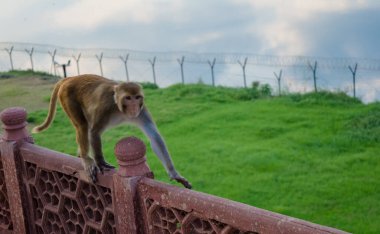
[(94, 103)]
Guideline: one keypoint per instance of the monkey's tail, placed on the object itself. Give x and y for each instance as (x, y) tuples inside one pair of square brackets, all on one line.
[(52, 110)]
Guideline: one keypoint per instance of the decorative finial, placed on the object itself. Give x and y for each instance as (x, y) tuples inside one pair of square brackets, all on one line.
[(130, 154), (14, 124)]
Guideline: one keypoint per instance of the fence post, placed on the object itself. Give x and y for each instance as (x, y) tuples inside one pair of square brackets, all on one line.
[(52, 55), (212, 64), (130, 154), (100, 58), (353, 71), (9, 51), (30, 53), (278, 77), (153, 63), (125, 60), (181, 61), (314, 70), (64, 65), (243, 64), (15, 133), (77, 61)]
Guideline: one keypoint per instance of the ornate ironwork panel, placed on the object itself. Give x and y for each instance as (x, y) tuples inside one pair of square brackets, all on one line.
[(62, 203), (170, 220), (5, 214)]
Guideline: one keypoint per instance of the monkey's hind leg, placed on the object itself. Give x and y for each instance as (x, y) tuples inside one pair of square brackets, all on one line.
[(79, 121), (96, 145), (89, 164)]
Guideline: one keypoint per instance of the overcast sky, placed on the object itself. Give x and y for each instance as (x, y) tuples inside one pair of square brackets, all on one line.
[(332, 28), (320, 28)]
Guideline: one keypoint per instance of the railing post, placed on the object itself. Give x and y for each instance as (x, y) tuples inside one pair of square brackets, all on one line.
[(15, 133), (130, 154)]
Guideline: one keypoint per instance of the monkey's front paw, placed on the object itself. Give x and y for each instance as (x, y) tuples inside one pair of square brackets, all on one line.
[(104, 166), (183, 181), (91, 168)]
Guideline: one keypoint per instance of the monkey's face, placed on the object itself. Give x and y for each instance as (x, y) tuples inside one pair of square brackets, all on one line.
[(129, 99), (132, 105)]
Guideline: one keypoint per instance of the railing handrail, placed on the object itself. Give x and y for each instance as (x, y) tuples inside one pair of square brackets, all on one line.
[(61, 162), (238, 215)]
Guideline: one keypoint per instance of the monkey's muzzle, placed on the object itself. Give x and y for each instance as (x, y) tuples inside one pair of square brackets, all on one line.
[(132, 110)]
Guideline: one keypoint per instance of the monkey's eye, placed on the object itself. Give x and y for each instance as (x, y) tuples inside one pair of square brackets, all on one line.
[(138, 97), (128, 97)]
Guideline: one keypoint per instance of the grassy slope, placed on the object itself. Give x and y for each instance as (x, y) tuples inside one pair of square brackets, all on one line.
[(25, 88), (311, 157)]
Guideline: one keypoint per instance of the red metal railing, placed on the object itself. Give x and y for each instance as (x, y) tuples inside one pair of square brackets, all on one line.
[(43, 191), (60, 199)]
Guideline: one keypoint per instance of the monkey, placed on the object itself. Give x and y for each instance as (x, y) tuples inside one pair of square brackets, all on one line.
[(93, 104)]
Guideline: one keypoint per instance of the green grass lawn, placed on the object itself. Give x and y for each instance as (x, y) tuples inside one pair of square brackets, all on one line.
[(312, 156), (25, 88)]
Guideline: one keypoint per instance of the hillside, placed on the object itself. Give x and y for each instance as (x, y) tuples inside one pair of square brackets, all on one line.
[(25, 88), (312, 156)]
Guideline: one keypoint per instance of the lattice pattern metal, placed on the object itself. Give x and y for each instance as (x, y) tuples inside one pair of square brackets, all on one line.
[(5, 214), (165, 220), (62, 203)]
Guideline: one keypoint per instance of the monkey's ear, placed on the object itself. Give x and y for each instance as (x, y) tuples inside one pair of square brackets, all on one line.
[(115, 93)]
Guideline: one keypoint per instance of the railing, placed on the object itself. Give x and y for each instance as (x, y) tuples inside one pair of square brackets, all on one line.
[(43, 191)]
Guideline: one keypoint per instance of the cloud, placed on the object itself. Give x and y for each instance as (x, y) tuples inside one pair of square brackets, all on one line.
[(90, 14), (367, 89), (204, 38), (283, 38), (350, 34), (277, 22), (301, 9)]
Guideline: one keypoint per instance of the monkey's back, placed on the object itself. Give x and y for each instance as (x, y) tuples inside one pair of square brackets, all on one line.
[(85, 82), (87, 91)]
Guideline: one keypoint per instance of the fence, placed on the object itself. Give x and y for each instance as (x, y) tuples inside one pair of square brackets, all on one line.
[(356, 76), (42, 191)]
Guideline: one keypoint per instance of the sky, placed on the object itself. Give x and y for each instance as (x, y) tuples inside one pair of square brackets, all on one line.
[(321, 28), (337, 28)]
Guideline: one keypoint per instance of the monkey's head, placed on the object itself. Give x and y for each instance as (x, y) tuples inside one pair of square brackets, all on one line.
[(129, 98)]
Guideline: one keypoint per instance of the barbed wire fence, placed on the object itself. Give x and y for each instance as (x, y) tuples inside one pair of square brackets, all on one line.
[(283, 73)]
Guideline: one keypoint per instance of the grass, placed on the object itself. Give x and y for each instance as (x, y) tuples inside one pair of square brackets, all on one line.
[(312, 156), (25, 88)]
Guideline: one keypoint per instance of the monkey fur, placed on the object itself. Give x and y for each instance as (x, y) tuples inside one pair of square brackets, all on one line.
[(93, 104)]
